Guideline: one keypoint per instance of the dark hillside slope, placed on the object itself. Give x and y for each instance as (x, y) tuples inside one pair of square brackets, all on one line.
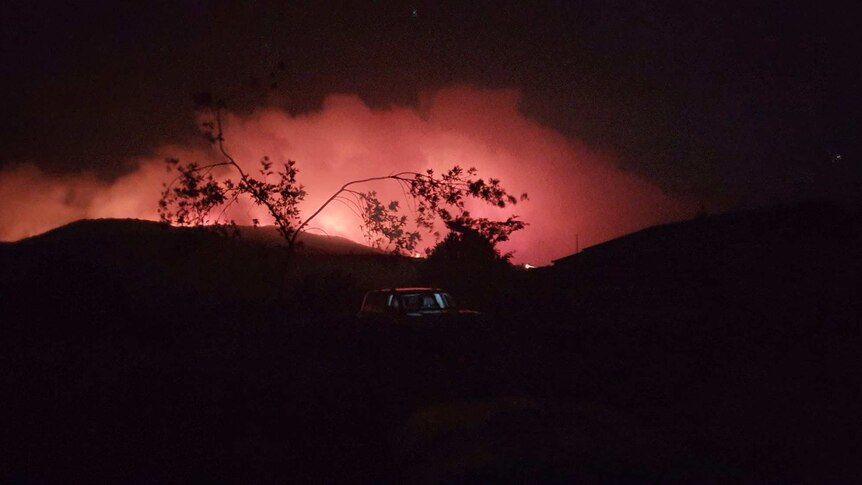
[(308, 243), (130, 228), (741, 330), (779, 253), (144, 270)]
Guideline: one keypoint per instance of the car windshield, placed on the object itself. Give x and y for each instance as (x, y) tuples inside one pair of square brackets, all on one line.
[(424, 301)]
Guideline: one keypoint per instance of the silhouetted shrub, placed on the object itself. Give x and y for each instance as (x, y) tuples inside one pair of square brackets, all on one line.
[(467, 264)]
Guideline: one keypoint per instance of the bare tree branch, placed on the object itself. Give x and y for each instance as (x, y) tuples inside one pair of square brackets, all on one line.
[(195, 193)]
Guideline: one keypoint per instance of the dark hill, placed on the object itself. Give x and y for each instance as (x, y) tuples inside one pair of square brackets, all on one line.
[(740, 327), (130, 229), (811, 223), (308, 243), (117, 266), (767, 253)]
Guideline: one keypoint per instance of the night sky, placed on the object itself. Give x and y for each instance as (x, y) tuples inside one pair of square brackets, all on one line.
[(722, 106)]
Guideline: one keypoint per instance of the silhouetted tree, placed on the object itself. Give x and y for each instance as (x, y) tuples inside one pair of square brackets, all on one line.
[(468, 263), (199, 196)]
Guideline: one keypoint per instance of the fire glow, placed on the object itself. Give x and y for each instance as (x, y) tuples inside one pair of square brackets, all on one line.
[(574, 190)]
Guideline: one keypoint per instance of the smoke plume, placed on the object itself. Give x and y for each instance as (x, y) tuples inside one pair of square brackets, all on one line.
[(574, 190)]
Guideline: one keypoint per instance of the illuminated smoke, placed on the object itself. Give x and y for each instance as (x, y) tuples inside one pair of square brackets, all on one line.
[(574, 190)]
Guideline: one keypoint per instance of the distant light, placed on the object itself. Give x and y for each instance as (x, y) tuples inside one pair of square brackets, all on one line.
[(417, 255), (528, 266)]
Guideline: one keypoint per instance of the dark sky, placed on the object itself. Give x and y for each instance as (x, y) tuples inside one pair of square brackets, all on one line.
[(734, 104)]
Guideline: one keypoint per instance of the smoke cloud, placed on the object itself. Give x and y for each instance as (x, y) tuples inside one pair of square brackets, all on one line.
[(574, 189)]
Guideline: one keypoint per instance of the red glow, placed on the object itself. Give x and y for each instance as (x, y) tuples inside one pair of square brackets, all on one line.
[(573, 189)]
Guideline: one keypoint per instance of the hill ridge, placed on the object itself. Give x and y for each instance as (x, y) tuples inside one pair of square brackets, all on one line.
[(262, 235)]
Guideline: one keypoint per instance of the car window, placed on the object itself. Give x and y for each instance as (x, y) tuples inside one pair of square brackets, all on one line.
[(412, 301), (420, 301), (399, 301), (441, 300)]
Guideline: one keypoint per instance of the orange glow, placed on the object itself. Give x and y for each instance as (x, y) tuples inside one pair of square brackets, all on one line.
[(573, 188)]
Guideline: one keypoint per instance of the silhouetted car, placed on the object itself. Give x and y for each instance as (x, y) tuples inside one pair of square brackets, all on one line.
[(412, 305)]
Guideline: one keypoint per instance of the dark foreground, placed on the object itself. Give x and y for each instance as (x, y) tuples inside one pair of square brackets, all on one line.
[(510, 401), (725, 365)]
